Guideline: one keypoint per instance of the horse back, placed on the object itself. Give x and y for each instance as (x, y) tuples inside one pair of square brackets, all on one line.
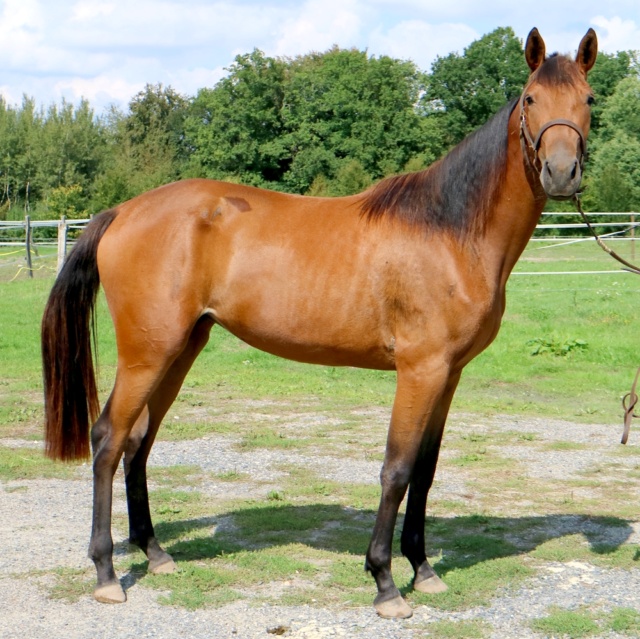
[(305, 278)]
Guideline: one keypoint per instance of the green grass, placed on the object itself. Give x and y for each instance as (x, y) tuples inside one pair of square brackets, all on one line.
[(567, 623), (575, 624), (303, 539), (28, 463), (626, 621), (576, 548), (585, 383), (458, 629), (71, 584)]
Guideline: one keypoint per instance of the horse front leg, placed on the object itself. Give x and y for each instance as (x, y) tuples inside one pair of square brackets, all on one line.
[(418, 395), (412, 541)]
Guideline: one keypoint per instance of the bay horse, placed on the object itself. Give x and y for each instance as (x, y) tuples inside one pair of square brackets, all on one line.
[(408, 276)]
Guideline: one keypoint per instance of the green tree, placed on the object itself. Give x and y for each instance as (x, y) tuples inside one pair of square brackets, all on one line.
[(233, 129), (615, 163), (344, 106), (146, 145), (41, 151), (282, 123), (70, 148), (608, 71), (471, 87), (67, 201)]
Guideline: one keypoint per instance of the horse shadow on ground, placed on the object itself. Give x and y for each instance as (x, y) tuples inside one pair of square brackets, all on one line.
[(460, 542)]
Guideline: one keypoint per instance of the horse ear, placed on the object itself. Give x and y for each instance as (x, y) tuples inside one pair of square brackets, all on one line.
[(587, 51), (535, 49)]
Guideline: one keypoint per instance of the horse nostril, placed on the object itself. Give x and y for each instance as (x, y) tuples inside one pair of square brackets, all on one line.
[(575, 170), (547, 168)]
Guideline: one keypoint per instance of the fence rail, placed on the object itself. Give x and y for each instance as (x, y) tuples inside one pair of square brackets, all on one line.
[(626, 231), (26, 228)]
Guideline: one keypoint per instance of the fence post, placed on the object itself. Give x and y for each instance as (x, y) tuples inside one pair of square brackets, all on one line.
[(27, 225), (633, 237), (62, 242)]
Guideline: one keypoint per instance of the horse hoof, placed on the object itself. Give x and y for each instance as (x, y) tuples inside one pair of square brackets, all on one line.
[(432, 586), (111, 594), (164, 568), (396, 608)]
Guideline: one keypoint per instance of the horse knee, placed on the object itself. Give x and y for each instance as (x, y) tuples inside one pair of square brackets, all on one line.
[(395, 477)]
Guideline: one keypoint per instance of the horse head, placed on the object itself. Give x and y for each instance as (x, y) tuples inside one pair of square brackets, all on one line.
[(555, 114)]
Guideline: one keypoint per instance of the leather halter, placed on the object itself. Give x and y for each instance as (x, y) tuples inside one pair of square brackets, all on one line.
[(534, 143)]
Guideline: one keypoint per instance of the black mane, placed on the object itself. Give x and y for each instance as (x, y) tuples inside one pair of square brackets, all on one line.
[(456, 192)]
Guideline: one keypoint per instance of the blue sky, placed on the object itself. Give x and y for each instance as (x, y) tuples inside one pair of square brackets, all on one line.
[(107, 50)]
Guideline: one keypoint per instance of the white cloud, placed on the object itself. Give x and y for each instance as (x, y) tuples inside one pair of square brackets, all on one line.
[(107, 50), (318, 25), (619, 34), (168, 25), (187, 82), (103, 89), (422, 42), (21, 29), (87, 11)]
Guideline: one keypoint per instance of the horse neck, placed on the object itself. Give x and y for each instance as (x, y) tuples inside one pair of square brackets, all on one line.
[(516, 212)]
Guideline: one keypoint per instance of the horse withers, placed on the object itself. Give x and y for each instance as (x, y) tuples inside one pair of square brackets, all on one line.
[(408, 276)]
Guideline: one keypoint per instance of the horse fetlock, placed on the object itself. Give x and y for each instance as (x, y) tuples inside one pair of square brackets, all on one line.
[(378, 563)]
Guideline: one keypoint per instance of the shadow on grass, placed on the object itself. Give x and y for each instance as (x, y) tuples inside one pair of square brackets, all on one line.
[(461, 541)]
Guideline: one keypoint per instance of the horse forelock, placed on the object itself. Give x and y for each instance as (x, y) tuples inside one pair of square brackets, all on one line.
[(557, 70), (457, 191)]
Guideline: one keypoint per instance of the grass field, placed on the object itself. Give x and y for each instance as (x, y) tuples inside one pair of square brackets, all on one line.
[(568, 349)]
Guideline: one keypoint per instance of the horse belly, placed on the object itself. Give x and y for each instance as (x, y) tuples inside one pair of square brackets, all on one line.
[(323, 316)]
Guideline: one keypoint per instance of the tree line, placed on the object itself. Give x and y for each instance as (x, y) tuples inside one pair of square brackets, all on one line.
[(327, 123)]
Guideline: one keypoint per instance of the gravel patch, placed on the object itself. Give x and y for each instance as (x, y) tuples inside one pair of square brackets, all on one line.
[(45, 525), (219, 455)]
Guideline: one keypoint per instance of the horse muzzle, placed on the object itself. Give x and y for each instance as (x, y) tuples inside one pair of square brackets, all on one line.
[(559, 164), (561, 175)]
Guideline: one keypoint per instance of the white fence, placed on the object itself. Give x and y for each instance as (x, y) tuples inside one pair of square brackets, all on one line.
[(25, 230), (618, 230), (622, 230)]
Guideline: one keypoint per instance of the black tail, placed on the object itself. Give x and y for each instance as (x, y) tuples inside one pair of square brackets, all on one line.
[(70, 392)]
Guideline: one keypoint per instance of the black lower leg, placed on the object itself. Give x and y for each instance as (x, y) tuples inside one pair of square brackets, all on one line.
[(101, 544), (140, 526), (141, 531), (412, 540), (378, 560)]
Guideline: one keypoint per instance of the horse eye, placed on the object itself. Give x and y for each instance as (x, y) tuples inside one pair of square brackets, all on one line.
[(591, 100), (529, 100)]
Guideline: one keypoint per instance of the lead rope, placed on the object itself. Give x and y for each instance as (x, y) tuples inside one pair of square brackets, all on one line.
[(629, 414), (630, 400), (629, 267)]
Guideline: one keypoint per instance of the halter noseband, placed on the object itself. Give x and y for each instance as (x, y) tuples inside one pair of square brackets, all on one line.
[(534, 143)]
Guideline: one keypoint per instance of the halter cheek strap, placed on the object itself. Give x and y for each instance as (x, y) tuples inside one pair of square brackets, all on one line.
[(534, 143)]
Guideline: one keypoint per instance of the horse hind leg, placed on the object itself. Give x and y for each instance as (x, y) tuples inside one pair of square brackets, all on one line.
[(108, 438), (141, 531), (141, 372)]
